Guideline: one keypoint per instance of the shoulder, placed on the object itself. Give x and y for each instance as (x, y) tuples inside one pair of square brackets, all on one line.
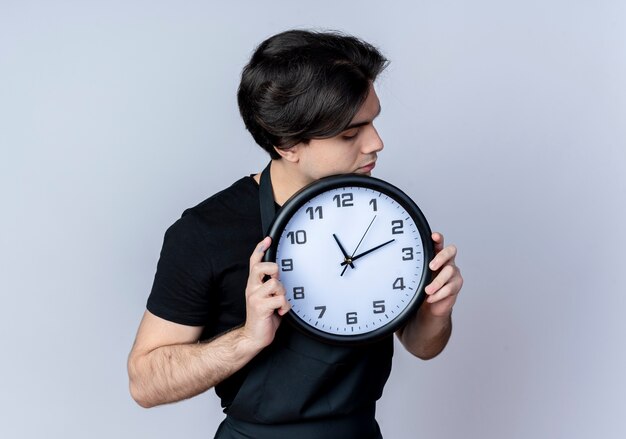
[(240, 200), (218, 218)]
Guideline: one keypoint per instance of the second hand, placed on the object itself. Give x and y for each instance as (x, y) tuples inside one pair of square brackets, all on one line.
[(357, 246)]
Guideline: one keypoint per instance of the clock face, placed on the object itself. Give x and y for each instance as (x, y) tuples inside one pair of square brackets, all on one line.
[(352, 256)]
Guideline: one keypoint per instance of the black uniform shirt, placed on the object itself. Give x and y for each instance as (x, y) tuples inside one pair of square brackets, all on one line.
[(200, 281)]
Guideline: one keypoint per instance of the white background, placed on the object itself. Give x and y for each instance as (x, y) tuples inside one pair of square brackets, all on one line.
[(504, 120)]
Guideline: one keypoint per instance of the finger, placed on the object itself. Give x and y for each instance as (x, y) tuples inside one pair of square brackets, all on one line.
[(260, 273), (259, 251), (441, 279), (442, 308), (267, 306), (279, 304), (438, 241), (261, 269), (445, 256), (284, 309), (449, 290), (271, 287), (441, 294)]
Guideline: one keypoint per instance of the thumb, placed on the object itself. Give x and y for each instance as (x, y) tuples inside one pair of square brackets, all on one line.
[(259, 251)]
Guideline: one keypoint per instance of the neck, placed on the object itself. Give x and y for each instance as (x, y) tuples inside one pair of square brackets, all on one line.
[(286, 181)]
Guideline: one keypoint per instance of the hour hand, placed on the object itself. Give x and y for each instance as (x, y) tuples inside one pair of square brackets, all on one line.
[(347, 260), (360, 255)]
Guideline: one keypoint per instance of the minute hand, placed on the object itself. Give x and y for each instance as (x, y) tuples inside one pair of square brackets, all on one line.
[(354, 258)]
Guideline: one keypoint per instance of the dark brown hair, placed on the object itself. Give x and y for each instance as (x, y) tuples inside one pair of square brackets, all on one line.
[(300, 85)]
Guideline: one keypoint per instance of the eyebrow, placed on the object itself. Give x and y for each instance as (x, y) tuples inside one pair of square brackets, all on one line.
[(366, 122)]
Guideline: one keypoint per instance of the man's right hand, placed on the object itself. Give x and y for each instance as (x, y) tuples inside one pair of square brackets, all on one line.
[(168, 364), (265, 301)]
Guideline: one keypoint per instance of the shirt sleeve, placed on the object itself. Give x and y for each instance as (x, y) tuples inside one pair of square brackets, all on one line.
[(182, 283)]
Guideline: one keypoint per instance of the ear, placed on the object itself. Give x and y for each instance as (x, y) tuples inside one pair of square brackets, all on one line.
[(291, 154)]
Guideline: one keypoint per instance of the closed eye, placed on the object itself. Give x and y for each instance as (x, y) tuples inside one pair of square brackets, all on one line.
[(350, 134)]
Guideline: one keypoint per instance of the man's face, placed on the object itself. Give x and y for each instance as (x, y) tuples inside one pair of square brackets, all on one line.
[(353, 150)]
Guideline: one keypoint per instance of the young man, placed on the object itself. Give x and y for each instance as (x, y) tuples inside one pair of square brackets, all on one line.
[(211, 321)]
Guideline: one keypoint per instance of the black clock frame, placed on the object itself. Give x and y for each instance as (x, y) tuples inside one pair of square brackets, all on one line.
[(291, 206)]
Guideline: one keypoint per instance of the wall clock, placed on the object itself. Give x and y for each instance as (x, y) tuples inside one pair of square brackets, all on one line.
[(353, 254)]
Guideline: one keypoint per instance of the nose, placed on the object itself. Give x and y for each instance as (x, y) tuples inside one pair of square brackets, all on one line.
[(373, 142)]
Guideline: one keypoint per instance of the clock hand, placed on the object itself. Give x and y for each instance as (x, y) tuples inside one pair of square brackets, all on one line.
[(357, 246), (343, 251), (354, 258)]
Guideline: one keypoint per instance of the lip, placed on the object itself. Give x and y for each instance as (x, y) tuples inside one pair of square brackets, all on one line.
[(367, 168)]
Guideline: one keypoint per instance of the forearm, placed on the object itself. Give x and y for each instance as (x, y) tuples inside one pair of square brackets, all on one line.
[(426, 335), (173, 373)]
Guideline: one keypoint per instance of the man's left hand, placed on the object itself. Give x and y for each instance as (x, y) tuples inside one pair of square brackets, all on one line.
[(444, 289)]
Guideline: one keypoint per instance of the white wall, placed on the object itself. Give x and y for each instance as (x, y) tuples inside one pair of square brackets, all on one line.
[(504, 120)]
